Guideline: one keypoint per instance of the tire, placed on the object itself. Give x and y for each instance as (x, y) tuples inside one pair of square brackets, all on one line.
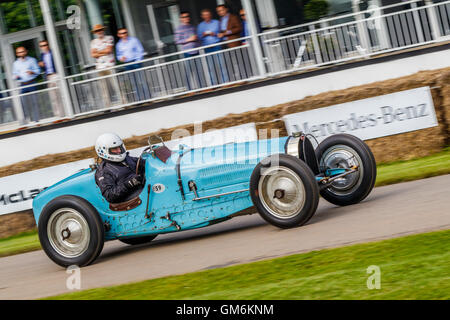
[(138, 240), (290, 209), (82, 223), (344, 151)]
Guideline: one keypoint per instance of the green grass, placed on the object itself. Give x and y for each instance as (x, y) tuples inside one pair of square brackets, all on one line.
[(412, 267), (20, 243), (390, 173), (401, 171)]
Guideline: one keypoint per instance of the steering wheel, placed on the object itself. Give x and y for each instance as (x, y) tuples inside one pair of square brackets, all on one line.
[(154, 144), (150, 149)]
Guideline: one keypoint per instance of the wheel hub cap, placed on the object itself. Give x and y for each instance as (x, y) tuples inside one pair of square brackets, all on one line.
[(343, 157), (281, 192), (68, 232)]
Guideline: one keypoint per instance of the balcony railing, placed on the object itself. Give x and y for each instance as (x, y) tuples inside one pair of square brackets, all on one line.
[(162, 77), (328, 41)]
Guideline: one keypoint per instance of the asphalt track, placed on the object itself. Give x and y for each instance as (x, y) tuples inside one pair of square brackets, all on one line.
[(389, 211)]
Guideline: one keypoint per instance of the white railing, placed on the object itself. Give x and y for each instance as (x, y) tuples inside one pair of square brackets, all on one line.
[(162, 77), (348, 37), (38, 102), (323, 42)]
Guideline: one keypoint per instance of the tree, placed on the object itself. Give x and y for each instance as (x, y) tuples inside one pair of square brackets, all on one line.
[(316, 9)]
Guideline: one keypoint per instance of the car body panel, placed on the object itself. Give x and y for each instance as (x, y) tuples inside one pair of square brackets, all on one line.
[(221, 174)]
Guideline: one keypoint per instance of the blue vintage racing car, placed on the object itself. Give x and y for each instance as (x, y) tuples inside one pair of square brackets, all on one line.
[(280, 178)]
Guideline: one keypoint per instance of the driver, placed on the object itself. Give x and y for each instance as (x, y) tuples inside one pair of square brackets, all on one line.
[(116, 175)]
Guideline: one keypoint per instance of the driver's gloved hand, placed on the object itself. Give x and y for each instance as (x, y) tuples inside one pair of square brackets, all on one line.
[(134, 181)]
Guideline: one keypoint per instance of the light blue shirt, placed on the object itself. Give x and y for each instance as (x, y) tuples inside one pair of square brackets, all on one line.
[(213, 26), (224, 22), (21, 66), (245, 32), (131, 49), (224, 25), (48, 61)]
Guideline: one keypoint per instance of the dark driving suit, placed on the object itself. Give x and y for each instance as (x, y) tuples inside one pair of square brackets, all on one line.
[(111, 177)]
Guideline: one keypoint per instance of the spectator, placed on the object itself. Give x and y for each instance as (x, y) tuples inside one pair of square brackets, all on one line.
[(245, 32), (129, 49), (102, 49), (230, 26), (186, 37), (47, 63), (208, 30), (25, 71)]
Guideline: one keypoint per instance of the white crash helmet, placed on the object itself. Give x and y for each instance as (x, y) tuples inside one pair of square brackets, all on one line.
[(108, 141)]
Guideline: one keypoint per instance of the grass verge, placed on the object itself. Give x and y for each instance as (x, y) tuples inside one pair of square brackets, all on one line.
[(420, 168), (390, 173), (411, 267), (20, 243)]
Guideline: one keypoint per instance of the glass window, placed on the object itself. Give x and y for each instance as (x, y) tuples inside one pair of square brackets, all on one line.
[(141, 22), (20, 15), (59, 8), (289, 12), (338, 7)]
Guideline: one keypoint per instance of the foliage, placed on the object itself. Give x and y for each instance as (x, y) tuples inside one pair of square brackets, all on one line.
[(316, 9)]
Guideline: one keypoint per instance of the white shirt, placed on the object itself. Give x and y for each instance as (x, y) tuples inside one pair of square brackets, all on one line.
[(105, 61)]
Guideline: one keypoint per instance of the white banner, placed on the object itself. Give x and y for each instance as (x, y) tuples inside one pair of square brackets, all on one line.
[(17, 191), (370, 118)]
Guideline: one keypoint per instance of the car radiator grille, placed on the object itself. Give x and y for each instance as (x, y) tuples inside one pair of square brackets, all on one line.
[(224, 174)]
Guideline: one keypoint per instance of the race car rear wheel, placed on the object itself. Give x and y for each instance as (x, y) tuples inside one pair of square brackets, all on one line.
[(284, 191), (347, 151), (71, 231), (137, 240)]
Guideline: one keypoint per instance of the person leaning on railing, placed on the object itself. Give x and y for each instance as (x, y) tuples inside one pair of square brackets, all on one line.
[(129, 49), (230, 26), (244, 32), (208, 30), (25, 71), (186, 37)]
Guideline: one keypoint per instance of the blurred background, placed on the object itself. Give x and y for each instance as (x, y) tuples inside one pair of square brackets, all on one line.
[(277, 37)]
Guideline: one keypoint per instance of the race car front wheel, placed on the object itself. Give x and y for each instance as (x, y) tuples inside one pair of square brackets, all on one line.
[(284, 191), (71, 231), (345, 151)]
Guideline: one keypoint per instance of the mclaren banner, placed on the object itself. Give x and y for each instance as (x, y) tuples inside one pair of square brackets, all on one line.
[(369, 118), (17, 191)]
